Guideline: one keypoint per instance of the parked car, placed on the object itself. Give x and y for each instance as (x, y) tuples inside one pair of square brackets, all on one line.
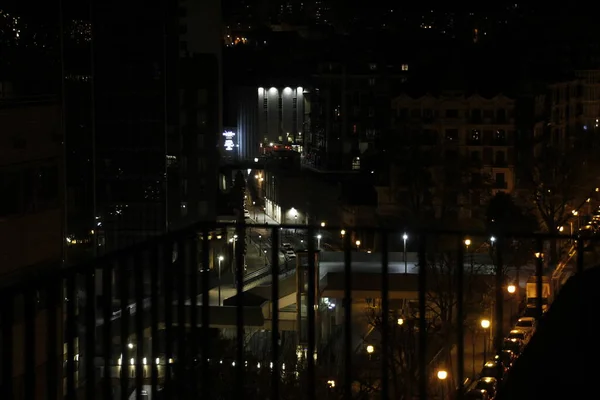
[(286, 246), (526, 324), (507, 358), (493, 369), (489, 384), (514, 345), (518, 334), (290, 253)]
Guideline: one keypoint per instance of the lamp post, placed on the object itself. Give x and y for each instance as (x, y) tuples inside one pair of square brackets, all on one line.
[(357, 245), (468, 243), (221, 258), (259, 242), (323, 224), (319, 242), (405, 238), (370, 350), (442, 375), (485, 324), (512, 290), (254, 207)]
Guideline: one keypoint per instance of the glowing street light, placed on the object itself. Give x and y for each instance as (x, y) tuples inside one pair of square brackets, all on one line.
[(405, 238), (485, 324), (221, 258), (467, 242), (511, 289), (370, 349), (492, 239), (323, 224), (442, 375), (400, 321), (357, 244), (342, 232), (319, 241)]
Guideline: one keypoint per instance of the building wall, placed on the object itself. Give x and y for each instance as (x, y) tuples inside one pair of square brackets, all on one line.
[(248, 123), (590, 81), (158, 96), (31, 179), (288, 195), (475, 128), (467, 140), (280, 114), (350, 111)]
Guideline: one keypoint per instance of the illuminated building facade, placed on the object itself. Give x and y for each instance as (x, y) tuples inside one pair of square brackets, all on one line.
[(270, 117), (281, 115)]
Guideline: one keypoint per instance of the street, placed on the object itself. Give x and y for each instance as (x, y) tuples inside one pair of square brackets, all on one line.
[(476, 339)]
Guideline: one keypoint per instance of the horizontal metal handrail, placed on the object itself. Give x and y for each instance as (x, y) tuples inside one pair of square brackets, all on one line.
[(109, 309)]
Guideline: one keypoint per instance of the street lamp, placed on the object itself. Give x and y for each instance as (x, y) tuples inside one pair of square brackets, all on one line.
[(357, 245), (319, 242), (405, 238), (492, 240), (400, 321), (370, 350), (442, 375), (468, 243), (485, 324), (259, 242), (323, 224), (512, 289), (221, 258), (254, 207)]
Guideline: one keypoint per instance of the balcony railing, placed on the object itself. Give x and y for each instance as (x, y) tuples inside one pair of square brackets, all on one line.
[(146, 319)]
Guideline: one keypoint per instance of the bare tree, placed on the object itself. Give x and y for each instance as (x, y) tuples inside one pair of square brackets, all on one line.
[(560, 181), (434, 192)]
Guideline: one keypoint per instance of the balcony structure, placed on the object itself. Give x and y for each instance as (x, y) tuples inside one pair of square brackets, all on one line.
[(143, 321)]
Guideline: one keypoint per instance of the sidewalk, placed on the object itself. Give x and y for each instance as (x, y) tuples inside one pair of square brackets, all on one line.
[(258, 216)]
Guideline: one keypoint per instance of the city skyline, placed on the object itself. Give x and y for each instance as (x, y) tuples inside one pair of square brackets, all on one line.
[(292, 199)]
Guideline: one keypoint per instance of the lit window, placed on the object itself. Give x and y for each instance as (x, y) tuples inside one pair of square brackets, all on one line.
[(404, 67), (356, 163)]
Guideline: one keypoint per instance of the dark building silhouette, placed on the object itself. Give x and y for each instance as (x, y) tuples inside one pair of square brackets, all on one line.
[(156, 117)]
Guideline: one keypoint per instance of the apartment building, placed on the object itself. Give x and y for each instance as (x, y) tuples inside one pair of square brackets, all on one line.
[(31, 232), (31, 170), (466, 142), (350, 112)]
